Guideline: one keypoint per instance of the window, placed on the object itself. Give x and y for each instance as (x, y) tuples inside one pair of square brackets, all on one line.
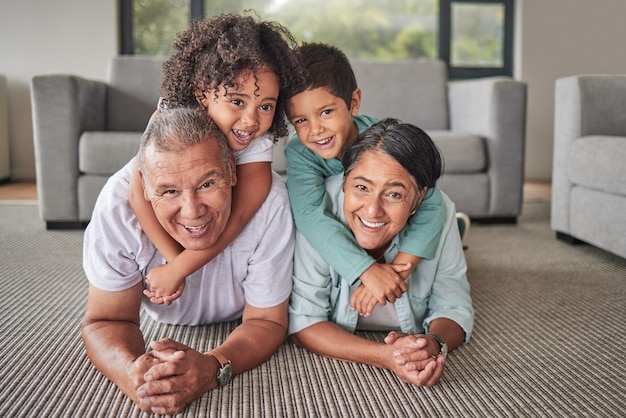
[(477, 37), (474, 37), (149, 26)]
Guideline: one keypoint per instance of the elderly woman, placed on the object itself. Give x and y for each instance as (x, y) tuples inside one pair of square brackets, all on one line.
[(387, 172)]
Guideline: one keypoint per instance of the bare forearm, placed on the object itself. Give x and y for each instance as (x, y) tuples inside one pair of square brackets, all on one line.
[(329, 340), (449, 331), (190, 261), (166, 245), (148, 220), (260, 334), (252, 344), (113, 346), (405, 258)]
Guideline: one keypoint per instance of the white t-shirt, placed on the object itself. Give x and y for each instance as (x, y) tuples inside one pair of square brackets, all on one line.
[(256, 268), (260, 149)]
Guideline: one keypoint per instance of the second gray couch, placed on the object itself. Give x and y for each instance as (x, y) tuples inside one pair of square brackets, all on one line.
[(589, 170)]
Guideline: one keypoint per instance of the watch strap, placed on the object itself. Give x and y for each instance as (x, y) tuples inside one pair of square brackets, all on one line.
[(223, 361), (443, 347), (225, 371)]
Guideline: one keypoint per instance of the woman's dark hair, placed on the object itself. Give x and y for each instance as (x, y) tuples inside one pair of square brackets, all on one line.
[(213, 52), (410, 146)]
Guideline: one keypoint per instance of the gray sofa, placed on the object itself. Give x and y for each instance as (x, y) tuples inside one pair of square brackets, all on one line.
[(479, 126), (5, 161), (589, 171), (85, 130)]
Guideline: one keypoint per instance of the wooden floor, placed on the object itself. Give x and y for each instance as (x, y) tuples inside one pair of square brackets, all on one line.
[(27, 190), (18, 190), (535, 191)]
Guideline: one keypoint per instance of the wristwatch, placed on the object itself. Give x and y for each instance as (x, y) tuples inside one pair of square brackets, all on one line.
[(225, 372), (444, 347)]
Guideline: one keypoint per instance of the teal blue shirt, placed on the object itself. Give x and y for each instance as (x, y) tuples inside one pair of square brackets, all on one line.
[(437, 288), (311, 207)]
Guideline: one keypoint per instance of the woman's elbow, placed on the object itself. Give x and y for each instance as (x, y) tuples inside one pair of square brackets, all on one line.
[(295, 339)]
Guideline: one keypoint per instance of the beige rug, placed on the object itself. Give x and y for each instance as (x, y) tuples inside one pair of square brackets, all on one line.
[(548, 342)]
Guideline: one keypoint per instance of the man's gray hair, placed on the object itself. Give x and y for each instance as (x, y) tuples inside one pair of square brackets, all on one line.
[(175, 130)]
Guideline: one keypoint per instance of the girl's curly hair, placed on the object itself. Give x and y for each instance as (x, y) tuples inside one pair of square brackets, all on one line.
[(212, 53)]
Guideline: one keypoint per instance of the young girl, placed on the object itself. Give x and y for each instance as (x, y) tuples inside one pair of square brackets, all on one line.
[(237, 69)]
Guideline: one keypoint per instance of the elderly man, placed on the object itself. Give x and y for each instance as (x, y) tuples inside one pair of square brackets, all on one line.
[(188, 174)]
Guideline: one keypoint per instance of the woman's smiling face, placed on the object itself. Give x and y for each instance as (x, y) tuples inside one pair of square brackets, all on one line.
[(380, 195)]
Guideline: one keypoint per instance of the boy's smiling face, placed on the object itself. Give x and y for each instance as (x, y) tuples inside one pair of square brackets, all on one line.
[(323, 122)]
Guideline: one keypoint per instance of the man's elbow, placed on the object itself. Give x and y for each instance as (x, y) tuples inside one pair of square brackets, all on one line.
[(89, 328), (86, 327), (278, 328)]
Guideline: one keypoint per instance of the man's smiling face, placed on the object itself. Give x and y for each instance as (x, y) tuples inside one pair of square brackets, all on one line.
[(190, 192)]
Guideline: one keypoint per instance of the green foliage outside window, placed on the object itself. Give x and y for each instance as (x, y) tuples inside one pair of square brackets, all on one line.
[(156, 23), (370, 29), (367, 29), (477, 35)]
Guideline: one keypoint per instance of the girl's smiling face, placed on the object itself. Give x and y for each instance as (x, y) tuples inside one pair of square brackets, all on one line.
[(245, 110)]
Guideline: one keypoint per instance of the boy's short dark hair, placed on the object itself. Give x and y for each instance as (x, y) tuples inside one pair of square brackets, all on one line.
[(326, 66)]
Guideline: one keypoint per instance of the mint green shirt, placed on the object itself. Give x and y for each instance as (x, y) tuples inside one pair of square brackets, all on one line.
[(311, 207)]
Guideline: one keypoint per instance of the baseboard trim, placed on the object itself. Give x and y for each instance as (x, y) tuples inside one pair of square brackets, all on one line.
[(496, 220), (66, 224), (568, 238)]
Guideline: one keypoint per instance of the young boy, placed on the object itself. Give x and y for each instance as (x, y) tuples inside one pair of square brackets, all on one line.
[(325, 114)]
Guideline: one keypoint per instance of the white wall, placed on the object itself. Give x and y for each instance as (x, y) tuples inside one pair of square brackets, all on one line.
[(554, 38), (50, 36), (559, 38)]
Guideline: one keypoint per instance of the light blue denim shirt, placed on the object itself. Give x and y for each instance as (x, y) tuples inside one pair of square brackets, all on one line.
[(437, 288)]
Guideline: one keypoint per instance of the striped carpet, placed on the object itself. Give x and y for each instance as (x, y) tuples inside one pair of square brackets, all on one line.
[(548, 342)]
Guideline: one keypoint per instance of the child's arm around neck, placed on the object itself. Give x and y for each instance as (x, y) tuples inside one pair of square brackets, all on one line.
[(166, 281)]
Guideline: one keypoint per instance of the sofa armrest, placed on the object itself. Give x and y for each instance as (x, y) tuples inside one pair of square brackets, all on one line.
[(583, 105), (566, 129), (495, 108), (5, 163), (63, 107)]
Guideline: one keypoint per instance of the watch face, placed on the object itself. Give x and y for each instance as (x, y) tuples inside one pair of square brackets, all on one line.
[(224, 375), (444, 350)]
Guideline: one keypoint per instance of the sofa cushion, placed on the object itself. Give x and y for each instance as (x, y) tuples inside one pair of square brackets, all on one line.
[(462, 152), (414, 91), (602, 100), (598, 162), (133, 91), (89, 187), (104, 153)]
